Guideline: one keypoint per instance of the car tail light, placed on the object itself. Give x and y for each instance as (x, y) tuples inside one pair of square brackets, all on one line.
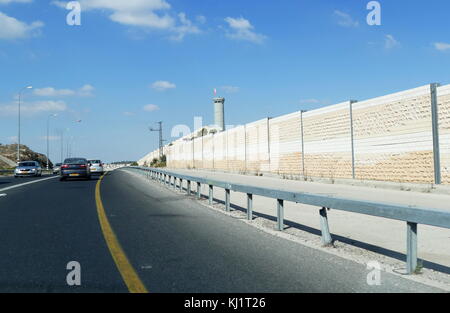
[(65, 166), (83, 166)]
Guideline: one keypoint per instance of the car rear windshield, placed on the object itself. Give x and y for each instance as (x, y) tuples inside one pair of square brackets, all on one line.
[(27, 164), (95, 161), (58, 164), (75, 161)]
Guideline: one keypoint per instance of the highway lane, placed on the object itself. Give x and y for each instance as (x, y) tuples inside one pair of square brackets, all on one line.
[(177, 245), (8, 181), (173, 244), (46, 225)]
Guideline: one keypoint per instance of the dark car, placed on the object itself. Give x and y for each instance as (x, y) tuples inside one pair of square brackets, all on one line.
[(75, 168)]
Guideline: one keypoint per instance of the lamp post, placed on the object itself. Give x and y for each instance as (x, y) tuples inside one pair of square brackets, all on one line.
[(48, 140), (18, 138)]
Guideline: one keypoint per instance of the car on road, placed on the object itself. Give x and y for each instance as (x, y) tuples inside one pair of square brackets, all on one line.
[(28, 168), (97, 167), (75, 168), (57, 168)]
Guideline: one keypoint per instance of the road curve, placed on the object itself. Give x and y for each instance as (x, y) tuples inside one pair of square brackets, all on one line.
[(171, 242)]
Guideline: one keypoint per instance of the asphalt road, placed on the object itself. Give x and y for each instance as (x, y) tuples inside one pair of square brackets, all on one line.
[(171, 242), (8, 181)]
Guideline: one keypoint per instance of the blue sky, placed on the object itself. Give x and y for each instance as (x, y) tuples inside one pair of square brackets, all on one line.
[(133, 63)]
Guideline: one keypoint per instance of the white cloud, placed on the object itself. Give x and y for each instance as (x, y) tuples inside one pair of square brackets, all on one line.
[(344, 19), (147, 14), (185, 28), (310, 101), (442, 46), (151, 108), (230, 89), (12, 139), (33, 108), (50, 138), (129, 113), (17, 1), (162, 85), (12, 28), (390, 42), (242, 29), (84, 91), (52, 92), (200, 19)]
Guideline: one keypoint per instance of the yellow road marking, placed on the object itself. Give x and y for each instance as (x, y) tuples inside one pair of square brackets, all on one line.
[(124, 266)]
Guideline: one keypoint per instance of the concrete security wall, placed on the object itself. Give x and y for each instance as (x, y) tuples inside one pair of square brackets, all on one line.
[(444, 131), (257, 146), (393, 137), (327, 142), (220, 151), (236, 149), (388, 138), (285, 144)]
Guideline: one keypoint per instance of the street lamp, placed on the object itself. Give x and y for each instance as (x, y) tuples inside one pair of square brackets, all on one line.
[(18, 139), (48, 140)]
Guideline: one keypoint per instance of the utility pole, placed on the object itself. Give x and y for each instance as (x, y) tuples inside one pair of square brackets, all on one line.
[(18, 137), (48, 140), (161, 140)]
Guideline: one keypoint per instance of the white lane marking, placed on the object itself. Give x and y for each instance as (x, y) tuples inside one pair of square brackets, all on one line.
[(24, 184), (3, 195)]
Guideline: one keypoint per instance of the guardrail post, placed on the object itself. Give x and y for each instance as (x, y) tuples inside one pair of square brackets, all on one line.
[(199, 188), (435, 131), (249, 206), (188, 187), (326, 236), (280, 214), (211, 194), (411, 247), (181, 184), (227, 200)]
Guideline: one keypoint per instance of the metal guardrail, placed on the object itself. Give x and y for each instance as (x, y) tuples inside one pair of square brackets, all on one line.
[(411, 215)]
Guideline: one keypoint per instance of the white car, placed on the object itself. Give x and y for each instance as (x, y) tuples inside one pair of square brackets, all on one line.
[(28, 168), (96, 167)]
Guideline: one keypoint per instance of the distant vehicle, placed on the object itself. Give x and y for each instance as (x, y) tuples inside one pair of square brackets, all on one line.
[(97, 167), (75, 168), (28, 168), (57, 168)]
